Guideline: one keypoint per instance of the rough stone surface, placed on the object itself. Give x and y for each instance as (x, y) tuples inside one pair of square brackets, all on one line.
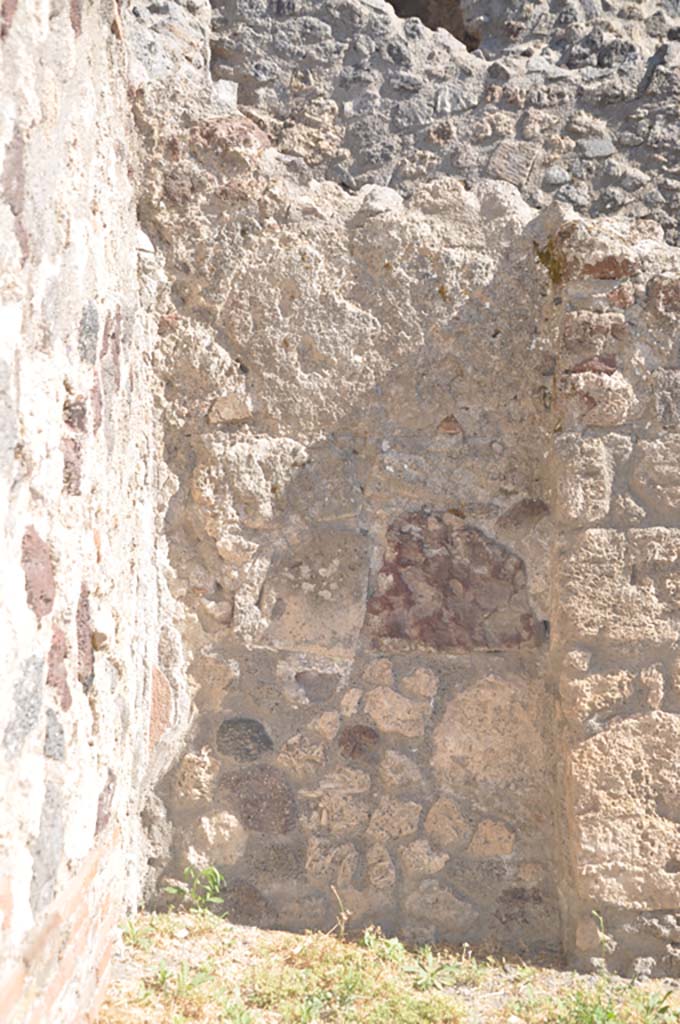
[(36, 561), (83, 586), (243, 739), (338, 470)]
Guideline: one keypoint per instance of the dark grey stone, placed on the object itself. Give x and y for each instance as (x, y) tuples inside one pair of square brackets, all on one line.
[(244, 739), (263, 799), (54, 737), (88, 334), (318, 685)]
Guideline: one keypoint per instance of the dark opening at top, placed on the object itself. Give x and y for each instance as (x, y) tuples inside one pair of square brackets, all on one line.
[(439, 14)]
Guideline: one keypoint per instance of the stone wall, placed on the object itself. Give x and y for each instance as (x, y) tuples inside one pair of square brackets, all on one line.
[(88, 707), (614, 474), (331, 441), (380, 542)]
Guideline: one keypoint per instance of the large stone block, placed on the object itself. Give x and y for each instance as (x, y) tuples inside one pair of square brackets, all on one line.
[(627, 806), (655, 477), (583, 473), (488, 747), (621, 585)]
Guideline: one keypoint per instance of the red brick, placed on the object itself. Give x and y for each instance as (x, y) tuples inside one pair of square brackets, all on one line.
[(12, 987), (102, 975), (161, 706), (73, 945), (66, 971), (610, 268), (45, 939)]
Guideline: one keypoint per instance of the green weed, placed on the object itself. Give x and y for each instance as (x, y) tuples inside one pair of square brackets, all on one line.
[(201, 888)]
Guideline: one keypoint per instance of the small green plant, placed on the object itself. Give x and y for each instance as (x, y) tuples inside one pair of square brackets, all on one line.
[(313, 1006), (589, 1007), (605, 940), (135, 936), (201, 888), (431, 972), (187, 981), (161, 978), (655, 1008), (386, 949), (237, 1013)]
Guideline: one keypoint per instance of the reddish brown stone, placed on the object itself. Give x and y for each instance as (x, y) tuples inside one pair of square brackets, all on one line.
[(39, 575), (96, 399), (358, 742), (450, 425), (7, 11), (664, 294), (596, 364), (84, 638), (610, 268), (72, 452), (161, 706), (76, 13), (623, 296), (264, 800), (449, 587), (56, 668)]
